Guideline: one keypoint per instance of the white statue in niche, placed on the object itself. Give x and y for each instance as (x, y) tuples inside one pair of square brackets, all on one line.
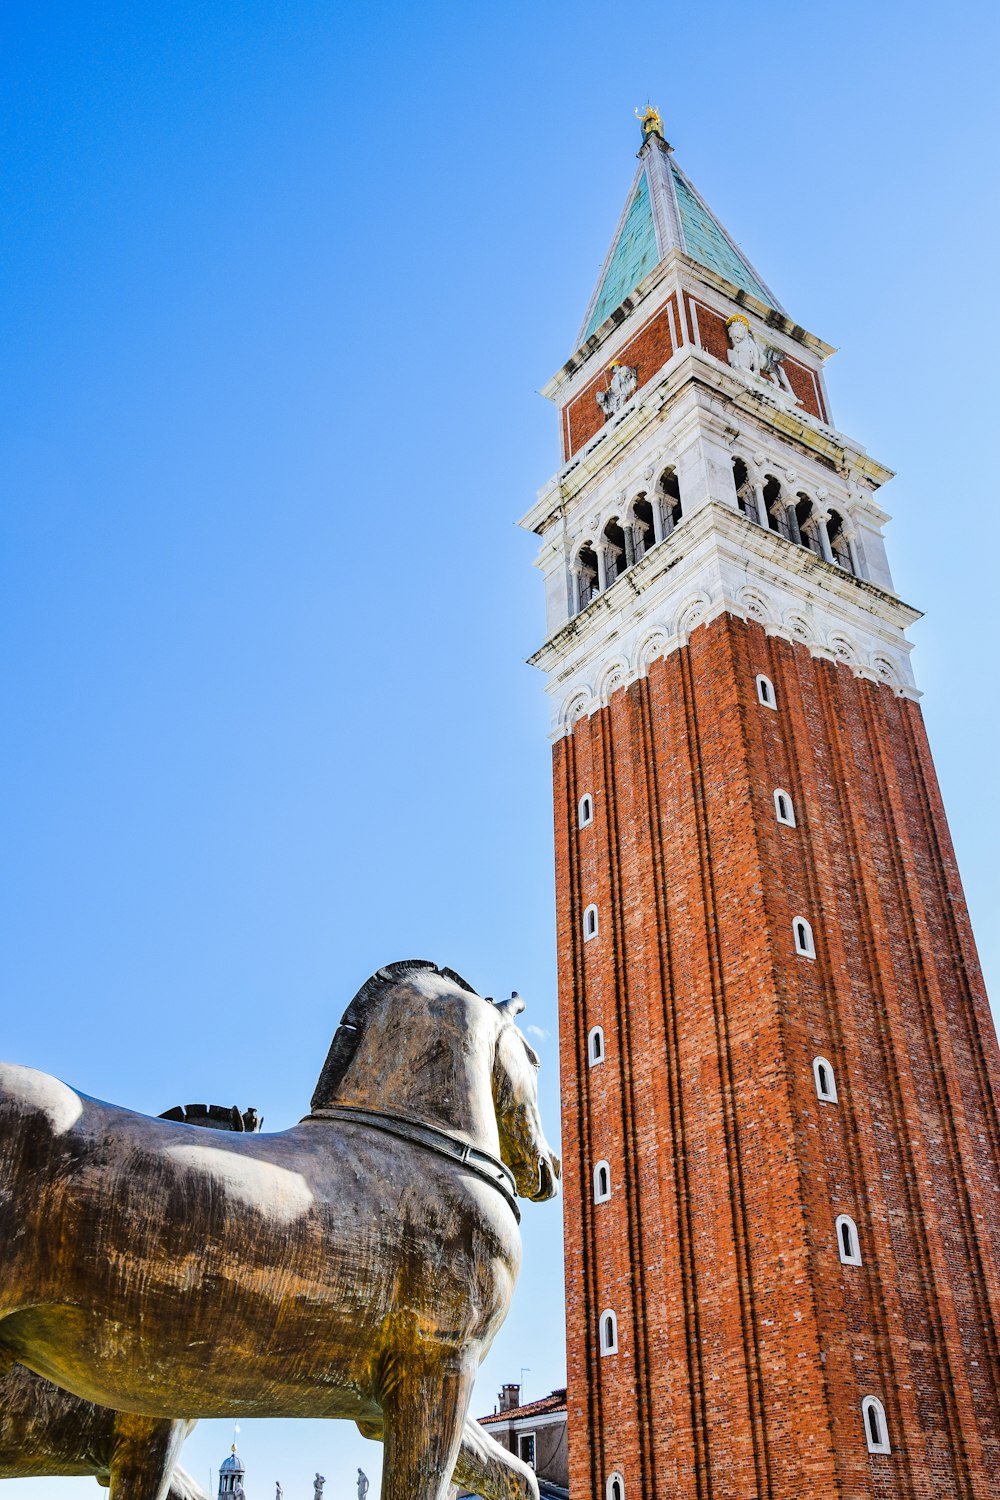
[(767, 363), (621, 389), (744, 351)]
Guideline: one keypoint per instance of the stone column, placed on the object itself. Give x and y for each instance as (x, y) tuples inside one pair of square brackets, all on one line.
[(629, 543), (758, 498), (821, 518), (851, 538), (793, 522), (602, 568)]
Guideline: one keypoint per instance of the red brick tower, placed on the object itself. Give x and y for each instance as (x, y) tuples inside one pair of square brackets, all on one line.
[(780, 1075)]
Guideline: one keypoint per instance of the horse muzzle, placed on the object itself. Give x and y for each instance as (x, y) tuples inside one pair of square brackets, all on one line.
[(549, 1171)]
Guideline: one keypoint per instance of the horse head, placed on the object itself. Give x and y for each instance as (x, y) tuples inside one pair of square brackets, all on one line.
[(418, 1041), (523, 1146)]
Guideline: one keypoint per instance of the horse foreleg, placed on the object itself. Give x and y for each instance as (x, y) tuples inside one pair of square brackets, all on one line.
[(486, 1468), (423, 1418), (145, 1451)]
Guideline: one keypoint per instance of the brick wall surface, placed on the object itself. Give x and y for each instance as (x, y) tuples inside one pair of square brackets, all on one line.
[(715, 339), (745, 1346), (646, 353)]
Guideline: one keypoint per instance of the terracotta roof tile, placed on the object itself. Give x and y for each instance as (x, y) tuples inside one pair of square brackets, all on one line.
[(555, 1402)]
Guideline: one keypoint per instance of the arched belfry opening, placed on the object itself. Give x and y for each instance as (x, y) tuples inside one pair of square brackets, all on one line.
[(839, 546), (745, 498), (670, 500), (779, 515), (586, 584), (616, 558), (644, 527)]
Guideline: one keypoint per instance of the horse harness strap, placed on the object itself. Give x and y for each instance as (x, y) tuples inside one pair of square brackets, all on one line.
[(489, 1167)]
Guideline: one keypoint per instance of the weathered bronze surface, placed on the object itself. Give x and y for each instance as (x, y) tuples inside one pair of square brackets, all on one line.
[(46, 1431), (330, 1270)]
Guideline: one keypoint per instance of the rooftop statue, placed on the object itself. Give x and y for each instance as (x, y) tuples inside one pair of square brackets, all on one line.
[(362, 1484), (318, 1484), (651, 122), (46, 1431), (367, 1255)]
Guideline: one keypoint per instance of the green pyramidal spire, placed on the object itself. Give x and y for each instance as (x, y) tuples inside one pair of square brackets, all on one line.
[(664, 212)]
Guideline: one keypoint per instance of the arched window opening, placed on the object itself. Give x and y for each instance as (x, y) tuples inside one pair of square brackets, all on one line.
[(615, 1488), (848, 1243), (838, 542), (609, 1332), (876, 1427), (585, 811), (615, 558), (670, 501), (803, 933), (765, 691), (602, 1182), (595, 1045), (826, 1083), (745, 497), (783, 809), (807, 526), (643, 527), (586, 577), (589, 923), (778, 517)]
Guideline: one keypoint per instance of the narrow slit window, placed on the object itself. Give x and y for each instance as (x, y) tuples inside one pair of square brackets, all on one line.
[(609, 1332), (595, 1045), (765, 691), (586, 810), (803, 934), (589, 923), (784, 811), (602, 1182), (826, 1084), (876, 1427), (615, 1489), (848, 1244)]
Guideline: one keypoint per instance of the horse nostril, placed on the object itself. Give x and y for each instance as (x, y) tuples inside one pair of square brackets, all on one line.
[(548, 1179)]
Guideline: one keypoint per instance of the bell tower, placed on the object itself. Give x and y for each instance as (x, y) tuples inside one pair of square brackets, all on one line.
[(780, 1077)]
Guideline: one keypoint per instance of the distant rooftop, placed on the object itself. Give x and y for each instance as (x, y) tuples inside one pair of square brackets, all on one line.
[(552, 1403)]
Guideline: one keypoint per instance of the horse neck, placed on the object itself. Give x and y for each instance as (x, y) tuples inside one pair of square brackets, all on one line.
[(430, 1062)]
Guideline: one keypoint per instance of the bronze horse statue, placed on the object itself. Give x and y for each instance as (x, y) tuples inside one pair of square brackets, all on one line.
[(355, 1266), (46, 1431)]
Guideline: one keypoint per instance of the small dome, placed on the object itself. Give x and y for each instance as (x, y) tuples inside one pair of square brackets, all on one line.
[(232, 1465)]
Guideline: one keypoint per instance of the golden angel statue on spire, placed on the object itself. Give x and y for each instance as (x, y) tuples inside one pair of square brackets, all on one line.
[(651, 122)]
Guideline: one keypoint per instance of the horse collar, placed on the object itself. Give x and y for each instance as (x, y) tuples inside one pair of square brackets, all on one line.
[(487, 1166)]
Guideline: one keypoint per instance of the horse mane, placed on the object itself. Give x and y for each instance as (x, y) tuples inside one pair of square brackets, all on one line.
[(348, 1033)]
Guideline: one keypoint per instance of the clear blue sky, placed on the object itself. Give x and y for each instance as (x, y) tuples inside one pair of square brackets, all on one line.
[(279, 284)]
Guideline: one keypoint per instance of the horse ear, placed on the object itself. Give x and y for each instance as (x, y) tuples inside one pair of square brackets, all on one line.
[(512, 1007)]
